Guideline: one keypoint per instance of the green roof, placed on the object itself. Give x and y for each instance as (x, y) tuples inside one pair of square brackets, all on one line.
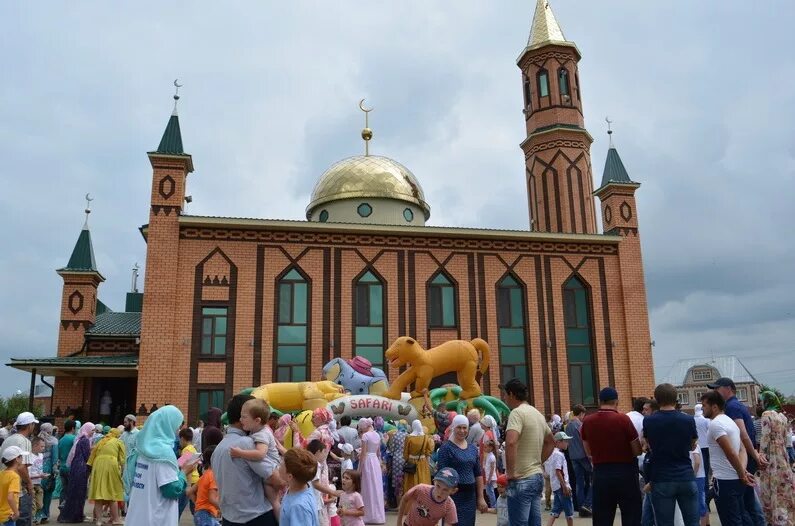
[(83, 254), (171, 143), (116, 324), (125, 360), (614, 169)]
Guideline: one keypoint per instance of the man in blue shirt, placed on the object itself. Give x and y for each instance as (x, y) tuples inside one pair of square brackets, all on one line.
[(671, 436), (738, 412)]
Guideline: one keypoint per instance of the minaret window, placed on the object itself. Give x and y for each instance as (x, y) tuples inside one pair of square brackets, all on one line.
[(526, 90), (563, 86), (369, 312), (292, 328), (543, 83), (364, 210), (213, 331), (579, 351), (323, 216), (441, 302), (510, 319)]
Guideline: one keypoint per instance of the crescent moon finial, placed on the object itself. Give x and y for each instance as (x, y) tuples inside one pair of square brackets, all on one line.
[(88, 209), (361, 107)]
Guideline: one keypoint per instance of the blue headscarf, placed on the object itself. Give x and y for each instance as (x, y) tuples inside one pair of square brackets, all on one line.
[(156, 440)]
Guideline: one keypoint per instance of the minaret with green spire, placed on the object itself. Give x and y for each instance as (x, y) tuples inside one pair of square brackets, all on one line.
[(617, 195), (557, 147)]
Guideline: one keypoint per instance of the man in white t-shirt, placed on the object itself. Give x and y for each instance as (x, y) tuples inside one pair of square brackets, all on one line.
[(725, 452)]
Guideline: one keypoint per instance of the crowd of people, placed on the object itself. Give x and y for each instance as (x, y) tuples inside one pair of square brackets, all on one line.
[(656, 464)]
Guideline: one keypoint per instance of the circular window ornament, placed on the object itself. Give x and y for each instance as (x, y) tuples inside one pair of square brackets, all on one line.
[(323, 216), (408, 215), (364, 210)]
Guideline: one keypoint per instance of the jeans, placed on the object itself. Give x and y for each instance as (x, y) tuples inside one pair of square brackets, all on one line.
[(491, 498), (616, 485), (524, 500), (562, 504), (666, 495), (707, 474), (702, 497), (647, 514), (205, 518), (729, 501), (9, 522), (752, 515), (25, 509), (583, 471)]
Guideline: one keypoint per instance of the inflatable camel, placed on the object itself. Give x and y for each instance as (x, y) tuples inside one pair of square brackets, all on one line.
[(458, 356)]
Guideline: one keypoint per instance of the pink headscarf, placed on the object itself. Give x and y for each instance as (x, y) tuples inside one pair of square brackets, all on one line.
[(323, 415), (365, 423), (86, 430), (284, 425)]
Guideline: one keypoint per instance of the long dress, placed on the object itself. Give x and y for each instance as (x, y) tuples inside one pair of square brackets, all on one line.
[(395, 448), (777, 482), (417, 449), (372, 482), (466, 463), (106, 469), (78, 483)]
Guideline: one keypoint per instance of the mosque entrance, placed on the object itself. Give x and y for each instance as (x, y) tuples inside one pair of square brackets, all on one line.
[(120, 396)]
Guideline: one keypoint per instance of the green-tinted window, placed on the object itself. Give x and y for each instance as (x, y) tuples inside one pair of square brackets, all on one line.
[(408, 215), (292, 332), (364, 210), (369, 313), (543, 83), (208, 398), (213, 340), (579, 351), (441, 302), (323, 216), (526, 91), (513, 339)]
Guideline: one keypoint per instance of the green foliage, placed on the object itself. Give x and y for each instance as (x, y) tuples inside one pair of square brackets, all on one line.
[(11, 406)]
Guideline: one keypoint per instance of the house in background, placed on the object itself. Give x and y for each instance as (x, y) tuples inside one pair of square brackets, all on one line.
[(691, 376)]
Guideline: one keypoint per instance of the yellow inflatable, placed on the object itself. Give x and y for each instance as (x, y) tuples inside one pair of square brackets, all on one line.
[(304, 420), (298, 396), (459, 356)]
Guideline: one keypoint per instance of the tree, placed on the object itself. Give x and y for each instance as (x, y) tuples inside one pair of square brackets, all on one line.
[(13, 405), (781, 397)]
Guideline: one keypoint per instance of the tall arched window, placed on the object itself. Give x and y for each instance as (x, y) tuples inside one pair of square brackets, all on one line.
[(511, 322), (292, 328), (441, 302), (563, 85), (369, 319), (543, 83), (528, 105), (579, 351)]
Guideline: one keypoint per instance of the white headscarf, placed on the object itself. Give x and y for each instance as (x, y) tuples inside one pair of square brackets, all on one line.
[(460, 420), (489, 422), (332, 427), (416, 429), (699, 410)]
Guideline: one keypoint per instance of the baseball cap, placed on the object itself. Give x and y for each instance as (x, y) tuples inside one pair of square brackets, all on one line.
[(25, 418), (607, 394), (722, 382), (12, 452), (447, 476), (561, 435), (502, 480)]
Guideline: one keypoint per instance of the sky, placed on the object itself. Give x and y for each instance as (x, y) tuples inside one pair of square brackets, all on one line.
[(701, 95)]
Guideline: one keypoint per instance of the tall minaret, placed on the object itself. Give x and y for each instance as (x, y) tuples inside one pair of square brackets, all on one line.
[(557, 148)]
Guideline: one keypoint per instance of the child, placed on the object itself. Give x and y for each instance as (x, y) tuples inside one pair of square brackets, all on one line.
[(501, 508), (205, 493), (490, 471), (331, 508), (698, 469), (425, 505), (254, 418), (347, 458), (298, 506), (36, 473), (186, 452), (318, 449), (351, 504), (10, 486), (558, 473)]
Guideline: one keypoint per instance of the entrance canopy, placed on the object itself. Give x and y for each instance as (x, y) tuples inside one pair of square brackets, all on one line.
[(119, 366)]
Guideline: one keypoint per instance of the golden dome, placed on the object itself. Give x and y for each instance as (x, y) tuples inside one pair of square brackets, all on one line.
[(368, 176)]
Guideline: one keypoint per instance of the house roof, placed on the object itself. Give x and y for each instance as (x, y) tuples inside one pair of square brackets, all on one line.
[(728, 366), (116, 324), (79, 366)]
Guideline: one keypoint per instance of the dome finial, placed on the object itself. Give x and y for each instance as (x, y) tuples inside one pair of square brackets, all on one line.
[(177, 85), (367, 133), (609, 130)]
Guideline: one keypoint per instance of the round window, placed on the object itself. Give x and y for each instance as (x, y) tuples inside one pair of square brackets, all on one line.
[(408, 215), (323, 216), (365, 210)]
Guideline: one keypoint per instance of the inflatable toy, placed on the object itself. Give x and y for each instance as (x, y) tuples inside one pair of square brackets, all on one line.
[(305, 425), (357, 376), (459, 356), (358, 406), (488, 405), (298, 396)]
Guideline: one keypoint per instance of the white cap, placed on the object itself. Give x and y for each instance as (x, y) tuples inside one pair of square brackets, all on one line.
[(12, 452), (24, 419), (346, 448)]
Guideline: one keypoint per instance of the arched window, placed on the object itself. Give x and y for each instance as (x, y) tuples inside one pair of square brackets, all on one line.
[(511, 322), (563, 86), (528, 105), (543, 83), (292, 328), (441, 302), (369, 319), (579, 352)]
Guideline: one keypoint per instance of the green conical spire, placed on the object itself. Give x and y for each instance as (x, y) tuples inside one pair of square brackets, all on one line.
[(83, 254), (614, 169), (171, 143)]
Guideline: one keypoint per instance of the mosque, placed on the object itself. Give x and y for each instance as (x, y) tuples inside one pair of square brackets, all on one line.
[(230, 303)]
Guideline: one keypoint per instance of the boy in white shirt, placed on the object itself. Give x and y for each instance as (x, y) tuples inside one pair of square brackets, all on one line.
[(558, 473), (490, 472)]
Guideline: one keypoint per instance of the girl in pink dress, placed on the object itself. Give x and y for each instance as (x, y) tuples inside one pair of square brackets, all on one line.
[(370, 467), (351, 508)]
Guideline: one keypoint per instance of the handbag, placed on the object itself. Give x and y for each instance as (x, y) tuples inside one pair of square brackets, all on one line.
[(410, 468)]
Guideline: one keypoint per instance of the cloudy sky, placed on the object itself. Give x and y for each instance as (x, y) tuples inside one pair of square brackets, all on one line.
[(702, 95)]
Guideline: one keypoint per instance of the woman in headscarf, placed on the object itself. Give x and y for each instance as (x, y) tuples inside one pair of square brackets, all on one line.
[(99, 434), (212, 434), (50, 460), (158, 480), (77, 489), (776, 481), (456, 453), (417, 450), (282, 427), (370, 468), (107, 464), (395, 448)]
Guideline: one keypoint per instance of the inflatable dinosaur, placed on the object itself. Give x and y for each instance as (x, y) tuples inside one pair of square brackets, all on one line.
[(298, 396), (357, 376), (458, 356)]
